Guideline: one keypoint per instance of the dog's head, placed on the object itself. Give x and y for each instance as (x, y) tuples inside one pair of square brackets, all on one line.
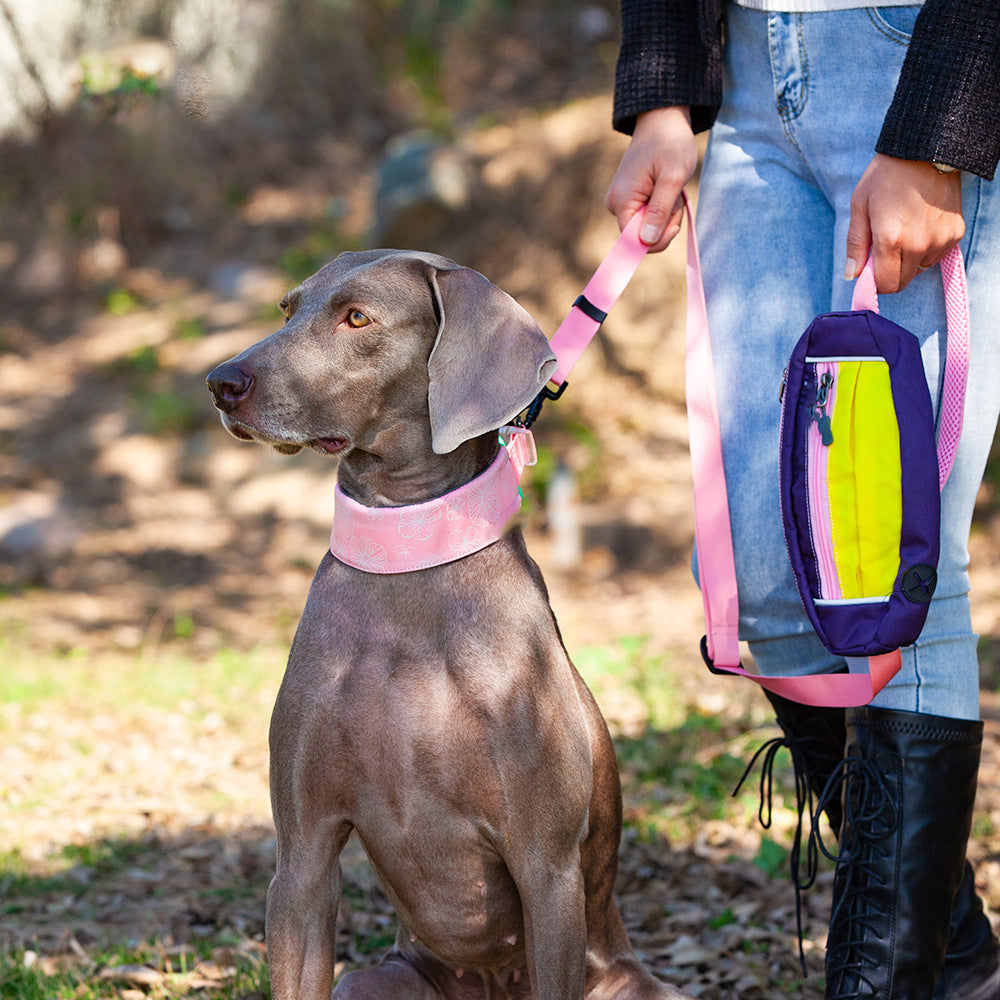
[(376, 341)]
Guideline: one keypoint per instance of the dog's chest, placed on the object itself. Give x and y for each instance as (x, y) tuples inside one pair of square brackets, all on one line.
[(451, 890)]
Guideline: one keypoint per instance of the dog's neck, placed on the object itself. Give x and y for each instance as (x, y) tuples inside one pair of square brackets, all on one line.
[(403, 538), (403, 471)]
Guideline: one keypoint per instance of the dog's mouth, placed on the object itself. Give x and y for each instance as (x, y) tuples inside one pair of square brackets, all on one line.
[(331, 445), (245, 433), (239, 432)]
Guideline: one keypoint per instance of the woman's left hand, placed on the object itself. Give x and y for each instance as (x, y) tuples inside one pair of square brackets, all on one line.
[(908, 215)]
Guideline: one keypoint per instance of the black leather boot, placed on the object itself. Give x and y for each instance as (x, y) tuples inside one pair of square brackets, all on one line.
[(815, 737), (909, 786)]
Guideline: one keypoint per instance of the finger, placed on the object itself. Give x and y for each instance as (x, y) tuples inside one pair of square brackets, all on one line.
[(673, 226), (892, 272), (859, 240)]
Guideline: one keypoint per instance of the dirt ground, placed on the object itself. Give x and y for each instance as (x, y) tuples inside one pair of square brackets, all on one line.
[(132, 527)]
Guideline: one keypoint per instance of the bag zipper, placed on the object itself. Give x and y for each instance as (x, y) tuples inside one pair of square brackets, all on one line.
[(819, 437), (819, 413)]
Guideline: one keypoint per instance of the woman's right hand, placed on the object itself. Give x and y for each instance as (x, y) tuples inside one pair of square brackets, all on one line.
[(661, 158)]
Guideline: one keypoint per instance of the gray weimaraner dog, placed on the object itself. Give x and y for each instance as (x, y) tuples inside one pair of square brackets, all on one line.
[(435, 713)]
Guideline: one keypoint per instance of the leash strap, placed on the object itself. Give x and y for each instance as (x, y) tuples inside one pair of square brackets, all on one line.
[(603, 290), (713, 534)]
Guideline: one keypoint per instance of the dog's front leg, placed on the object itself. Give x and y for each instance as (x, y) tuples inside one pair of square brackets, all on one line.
[(555, 927), (301, 926)]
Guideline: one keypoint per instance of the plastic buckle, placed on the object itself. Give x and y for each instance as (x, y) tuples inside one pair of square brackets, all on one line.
[(520, 445)]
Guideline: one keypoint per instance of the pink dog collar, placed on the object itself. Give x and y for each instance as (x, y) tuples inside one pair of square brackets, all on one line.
[(418, 536)]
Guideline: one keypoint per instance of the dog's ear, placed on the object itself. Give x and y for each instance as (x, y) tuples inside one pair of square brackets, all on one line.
[(490, 359)]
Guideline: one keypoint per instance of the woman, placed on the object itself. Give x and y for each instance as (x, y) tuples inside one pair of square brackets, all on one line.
[(838, 131)]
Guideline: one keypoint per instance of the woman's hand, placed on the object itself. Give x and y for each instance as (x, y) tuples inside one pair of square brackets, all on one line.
[(908, 215), (661, 158)]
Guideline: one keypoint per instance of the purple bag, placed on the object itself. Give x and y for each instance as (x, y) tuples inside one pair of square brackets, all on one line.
[(860, 476)]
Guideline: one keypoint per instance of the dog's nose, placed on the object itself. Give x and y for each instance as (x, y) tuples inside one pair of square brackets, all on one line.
[(229, 385)]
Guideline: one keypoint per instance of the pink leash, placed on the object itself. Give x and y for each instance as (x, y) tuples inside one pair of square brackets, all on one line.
[(603, 290), (712, 525)]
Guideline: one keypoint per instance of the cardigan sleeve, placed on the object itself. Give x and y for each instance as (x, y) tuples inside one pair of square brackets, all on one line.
[(946, 107), (671, 54)]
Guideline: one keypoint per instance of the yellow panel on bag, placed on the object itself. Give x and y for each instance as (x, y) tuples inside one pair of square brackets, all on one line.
[(864, 478)]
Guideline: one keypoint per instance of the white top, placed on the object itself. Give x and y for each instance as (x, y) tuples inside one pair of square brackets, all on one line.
[(811, 6)]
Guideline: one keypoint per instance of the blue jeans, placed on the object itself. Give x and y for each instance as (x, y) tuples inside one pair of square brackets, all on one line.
[(805, 95)]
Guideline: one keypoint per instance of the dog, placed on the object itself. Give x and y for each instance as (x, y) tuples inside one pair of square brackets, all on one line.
[(434, 712)]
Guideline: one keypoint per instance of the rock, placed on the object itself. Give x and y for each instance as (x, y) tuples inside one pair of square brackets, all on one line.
[(595, 24), (243, 282), (46, 270), (35, 532), (420, 183)]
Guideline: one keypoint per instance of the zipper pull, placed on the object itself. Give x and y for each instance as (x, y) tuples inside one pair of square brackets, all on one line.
[(819, 414), (823, 422)]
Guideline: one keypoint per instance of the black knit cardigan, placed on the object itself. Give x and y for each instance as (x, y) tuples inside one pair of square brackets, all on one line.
[(946, 107)]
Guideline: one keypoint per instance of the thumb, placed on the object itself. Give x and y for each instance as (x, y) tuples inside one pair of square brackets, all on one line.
[(859, 241), (659, 211)]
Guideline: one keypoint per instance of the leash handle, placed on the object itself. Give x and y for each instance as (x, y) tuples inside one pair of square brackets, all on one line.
[(956, 369)]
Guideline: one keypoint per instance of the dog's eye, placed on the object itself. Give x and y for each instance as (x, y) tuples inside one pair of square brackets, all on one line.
[(357, 319), (285, 312)]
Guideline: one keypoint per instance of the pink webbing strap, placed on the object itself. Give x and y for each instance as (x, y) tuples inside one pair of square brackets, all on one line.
[(956, 367), (712, 531), (603, 290)]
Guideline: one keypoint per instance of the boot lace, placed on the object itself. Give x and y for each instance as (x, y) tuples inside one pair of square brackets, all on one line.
[(804, 807), (858, 915)]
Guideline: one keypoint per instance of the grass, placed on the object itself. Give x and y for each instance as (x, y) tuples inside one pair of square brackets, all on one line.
[(83, 877), (118, 973), (104, 857), (239, 685)]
